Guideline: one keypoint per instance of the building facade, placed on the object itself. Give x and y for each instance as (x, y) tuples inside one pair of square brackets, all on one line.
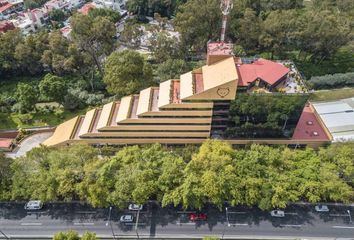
[(188, 110)]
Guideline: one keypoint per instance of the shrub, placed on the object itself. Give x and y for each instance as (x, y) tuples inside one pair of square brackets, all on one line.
[(331, 81)]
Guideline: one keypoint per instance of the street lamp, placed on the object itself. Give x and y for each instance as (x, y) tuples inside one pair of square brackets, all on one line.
[(136, 224), (350, 216), (110, 223)]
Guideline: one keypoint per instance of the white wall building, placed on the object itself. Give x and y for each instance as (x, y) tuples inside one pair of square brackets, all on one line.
[(338, 117)]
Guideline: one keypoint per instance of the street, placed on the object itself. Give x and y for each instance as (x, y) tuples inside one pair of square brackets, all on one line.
[(154, 221)]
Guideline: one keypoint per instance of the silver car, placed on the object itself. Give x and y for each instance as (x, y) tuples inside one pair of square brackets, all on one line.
[(277, 213), (34, 205), (126, 218), (321, 208), (135, 207)]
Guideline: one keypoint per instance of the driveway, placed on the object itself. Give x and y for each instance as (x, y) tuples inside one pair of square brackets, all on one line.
[(30, 142)]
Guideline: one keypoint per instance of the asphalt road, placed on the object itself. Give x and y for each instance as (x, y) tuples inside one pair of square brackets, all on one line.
[(300, 221)]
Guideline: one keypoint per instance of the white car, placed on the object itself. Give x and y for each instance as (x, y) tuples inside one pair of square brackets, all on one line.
[(321, 208), (277, 213), (135, 207), (126, 218), (34, 205)]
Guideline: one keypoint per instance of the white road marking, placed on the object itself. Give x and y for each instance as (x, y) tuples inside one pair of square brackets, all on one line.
[(343, 227), (237, 224), (186, 223), (237, 212), (339, 215), (84, 223), (290, 213), (86, 212), (31, 224), (290, 225)]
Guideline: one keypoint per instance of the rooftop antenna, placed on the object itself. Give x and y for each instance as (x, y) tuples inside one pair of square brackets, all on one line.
[(225, 6)]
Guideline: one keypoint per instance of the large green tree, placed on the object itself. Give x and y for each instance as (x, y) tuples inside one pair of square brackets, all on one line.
[(198, 21), (9, 41), (95, 36), (126, 72), (53, 87), (26, 97)]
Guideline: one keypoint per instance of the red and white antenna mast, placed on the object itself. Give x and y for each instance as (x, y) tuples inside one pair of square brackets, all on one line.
[(225, 6)]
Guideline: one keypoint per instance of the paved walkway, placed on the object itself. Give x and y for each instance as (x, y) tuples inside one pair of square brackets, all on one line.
[(31, 142)]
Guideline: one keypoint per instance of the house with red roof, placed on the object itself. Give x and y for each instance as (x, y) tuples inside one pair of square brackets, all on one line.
[(261, 73), (6, 26), (86, 8), (8, 8)]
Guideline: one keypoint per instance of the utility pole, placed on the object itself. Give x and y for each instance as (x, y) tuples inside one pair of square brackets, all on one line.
[(110, 223), (225, 6), (136, 224), (350, 216)]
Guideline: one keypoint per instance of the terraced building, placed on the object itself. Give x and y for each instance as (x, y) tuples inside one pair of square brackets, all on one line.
[(180, 111)]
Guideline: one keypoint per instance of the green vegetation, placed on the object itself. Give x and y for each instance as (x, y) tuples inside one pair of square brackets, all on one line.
[(39, 119), (331, 95), (333, 81), (126, 73), (264, 115), (263, 176), (73, 235)]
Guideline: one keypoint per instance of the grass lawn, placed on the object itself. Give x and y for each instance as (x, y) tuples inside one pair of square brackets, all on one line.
[(11, 121), (331, 95)]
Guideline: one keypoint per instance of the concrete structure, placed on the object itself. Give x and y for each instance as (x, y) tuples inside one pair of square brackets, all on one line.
[(338, 118), (179, 111), (9, 7)]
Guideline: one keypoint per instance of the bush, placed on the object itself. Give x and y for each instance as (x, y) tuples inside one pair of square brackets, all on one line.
[(331, 81)]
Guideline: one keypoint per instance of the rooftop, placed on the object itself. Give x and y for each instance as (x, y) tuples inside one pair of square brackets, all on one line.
[(5, 143), (309, 127), (266, 70), (220, 48)]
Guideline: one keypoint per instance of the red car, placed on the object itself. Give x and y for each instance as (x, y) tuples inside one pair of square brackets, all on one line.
[(198, 217)]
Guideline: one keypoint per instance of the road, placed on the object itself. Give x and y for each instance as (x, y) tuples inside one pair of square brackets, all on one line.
[(300, 221)]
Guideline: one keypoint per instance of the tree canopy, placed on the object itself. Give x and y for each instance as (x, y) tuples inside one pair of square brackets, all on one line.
[(258, 175), (126, 72)]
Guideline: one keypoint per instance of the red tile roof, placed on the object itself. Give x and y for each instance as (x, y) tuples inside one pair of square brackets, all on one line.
[(5, 6), (267, 70), (5, 143), (309, 128), (6, 26), (86, 8)]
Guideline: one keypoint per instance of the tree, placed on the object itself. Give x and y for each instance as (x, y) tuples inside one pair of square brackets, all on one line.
[(126, 72), (164, 46), (132, 34), (208, 177), (26, 97), (57, 15), (323, 34), (89, 236), (197, 21), (53, 87), (5, 177), (138, 174), (9, 41), (246, 30), (149, 7), (69, 235), (29, 52), (93, 36), (171, 69), (112, 15)]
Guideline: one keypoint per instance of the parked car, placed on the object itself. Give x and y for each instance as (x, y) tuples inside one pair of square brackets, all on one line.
[(197, 217), (277, 213), (321, 208), (135, 207), (34, 205), (126, 218)]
